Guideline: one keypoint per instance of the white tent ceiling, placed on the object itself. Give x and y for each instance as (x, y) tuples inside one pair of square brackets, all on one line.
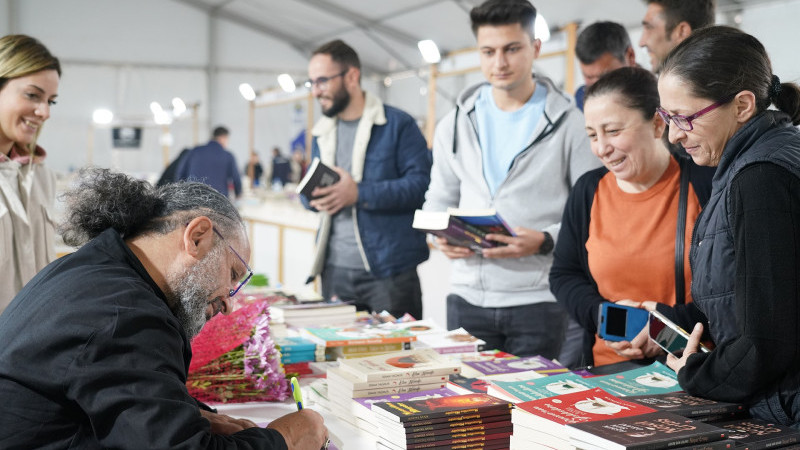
[(385, 32)]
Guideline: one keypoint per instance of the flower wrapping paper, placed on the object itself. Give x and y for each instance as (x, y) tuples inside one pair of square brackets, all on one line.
[(234, 359)]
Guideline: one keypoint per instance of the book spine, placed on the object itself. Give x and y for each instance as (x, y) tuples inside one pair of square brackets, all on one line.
[(361, 349), (466, 440), (483, 415), (385, 410), (473, 430), (467, 348), (373, 376), (460, 436), (361, 385), (681, 441), (368, 341), (394, 390), (446, 426)]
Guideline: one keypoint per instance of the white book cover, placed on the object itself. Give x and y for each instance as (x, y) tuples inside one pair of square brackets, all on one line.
[(413, 363)]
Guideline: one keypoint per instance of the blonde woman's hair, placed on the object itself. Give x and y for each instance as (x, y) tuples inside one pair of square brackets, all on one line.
[(22, 55)]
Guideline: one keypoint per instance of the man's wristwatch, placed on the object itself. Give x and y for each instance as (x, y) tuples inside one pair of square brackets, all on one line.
[(547, 245)]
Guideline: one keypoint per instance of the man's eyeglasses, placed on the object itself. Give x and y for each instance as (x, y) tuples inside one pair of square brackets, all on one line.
[(247, 277), (321, 83), (685, 122)]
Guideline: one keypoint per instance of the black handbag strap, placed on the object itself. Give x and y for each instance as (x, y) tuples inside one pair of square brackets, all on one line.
[(680, 233)]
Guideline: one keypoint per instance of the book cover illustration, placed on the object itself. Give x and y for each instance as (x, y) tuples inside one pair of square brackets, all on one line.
[(660, 429), (464, 385), (415, 363), (537, 388), (439, 407), (755, 434), (538, 364), (551, 414), (653, 379), (318, 175), (688, 405), (357, 334)]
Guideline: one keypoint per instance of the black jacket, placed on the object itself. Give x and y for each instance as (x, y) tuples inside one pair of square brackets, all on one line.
[(571, 280), (745, 259), (92, 357)]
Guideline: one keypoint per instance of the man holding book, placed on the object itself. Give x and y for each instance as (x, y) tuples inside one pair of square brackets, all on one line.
[(514, 143), (367, 251)]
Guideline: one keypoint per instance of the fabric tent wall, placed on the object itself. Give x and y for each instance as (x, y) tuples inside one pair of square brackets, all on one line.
[(122, 55)]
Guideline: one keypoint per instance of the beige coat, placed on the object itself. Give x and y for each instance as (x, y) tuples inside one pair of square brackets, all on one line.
[(27, 224)]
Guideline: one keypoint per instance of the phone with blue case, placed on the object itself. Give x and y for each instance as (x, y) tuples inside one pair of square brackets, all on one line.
[(620, 323)]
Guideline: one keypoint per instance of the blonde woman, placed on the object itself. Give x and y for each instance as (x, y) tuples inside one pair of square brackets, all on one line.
[(29, 77)]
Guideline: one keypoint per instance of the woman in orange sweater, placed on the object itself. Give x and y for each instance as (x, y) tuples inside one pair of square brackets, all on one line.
[(618, 237)]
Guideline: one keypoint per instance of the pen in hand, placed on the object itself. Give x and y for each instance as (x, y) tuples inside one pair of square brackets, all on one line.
[(298, 396)]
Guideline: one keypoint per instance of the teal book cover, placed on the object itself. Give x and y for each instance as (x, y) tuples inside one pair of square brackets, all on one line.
[(653, 379)]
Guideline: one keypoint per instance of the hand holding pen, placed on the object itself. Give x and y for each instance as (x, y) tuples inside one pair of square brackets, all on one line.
[(297, 395)]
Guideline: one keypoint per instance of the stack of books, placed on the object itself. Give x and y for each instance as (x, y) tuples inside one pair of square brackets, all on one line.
[(392, 373), (359, 410), (596, 419), (296, 349), (315, 314), (358, 340), (461, 421)]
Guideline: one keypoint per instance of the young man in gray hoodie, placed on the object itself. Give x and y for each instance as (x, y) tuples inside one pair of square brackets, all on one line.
[(517, 144)]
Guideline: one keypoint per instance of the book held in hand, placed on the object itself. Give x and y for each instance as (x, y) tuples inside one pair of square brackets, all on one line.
[(463, 228), (318, 175)]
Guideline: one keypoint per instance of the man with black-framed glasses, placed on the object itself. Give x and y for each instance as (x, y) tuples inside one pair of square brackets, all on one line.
[(367, 251), (96, 347)]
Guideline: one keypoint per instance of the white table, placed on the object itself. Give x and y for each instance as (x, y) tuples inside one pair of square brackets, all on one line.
[(350, 437)]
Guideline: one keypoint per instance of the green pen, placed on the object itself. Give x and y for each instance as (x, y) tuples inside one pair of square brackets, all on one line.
[(298, 396)]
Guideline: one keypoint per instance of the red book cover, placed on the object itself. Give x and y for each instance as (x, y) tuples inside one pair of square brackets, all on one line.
[(552, 414)]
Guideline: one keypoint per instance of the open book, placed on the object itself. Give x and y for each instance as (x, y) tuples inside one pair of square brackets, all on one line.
[(463, 227), (318, 174)]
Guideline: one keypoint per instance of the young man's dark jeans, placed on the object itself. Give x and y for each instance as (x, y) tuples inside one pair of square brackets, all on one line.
[(398, 294), (536, 329)]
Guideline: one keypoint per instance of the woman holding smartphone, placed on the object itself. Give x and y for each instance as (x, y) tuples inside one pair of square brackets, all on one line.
[(618, 235), (716, 88), (29, 77)]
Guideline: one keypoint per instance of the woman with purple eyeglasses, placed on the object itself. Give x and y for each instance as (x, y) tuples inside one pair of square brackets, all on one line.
[(716, 88)]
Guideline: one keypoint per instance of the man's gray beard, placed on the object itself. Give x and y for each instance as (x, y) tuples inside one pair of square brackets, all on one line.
[(192, 289)]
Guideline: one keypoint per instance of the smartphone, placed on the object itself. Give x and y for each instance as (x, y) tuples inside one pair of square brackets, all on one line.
[(620, 323), (672, 338)]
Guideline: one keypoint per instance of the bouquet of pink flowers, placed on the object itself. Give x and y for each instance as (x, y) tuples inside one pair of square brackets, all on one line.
[(234, 359)]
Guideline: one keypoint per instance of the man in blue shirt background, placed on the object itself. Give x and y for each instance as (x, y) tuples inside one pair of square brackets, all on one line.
[(212, 164)]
